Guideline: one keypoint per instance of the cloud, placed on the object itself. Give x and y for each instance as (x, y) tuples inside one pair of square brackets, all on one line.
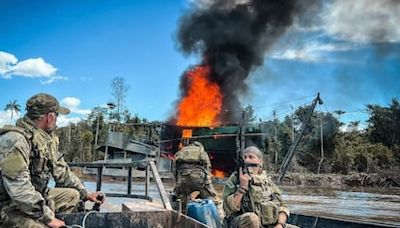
[(53, 79), (73, 104), (5, 117), (86, 79), (31, 68), (63, 121), (6, 60), (312, 51), (363, 21)]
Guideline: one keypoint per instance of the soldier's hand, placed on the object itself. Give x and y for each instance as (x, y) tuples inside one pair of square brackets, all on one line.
[(93, 195), (244, 179), (56, 223)]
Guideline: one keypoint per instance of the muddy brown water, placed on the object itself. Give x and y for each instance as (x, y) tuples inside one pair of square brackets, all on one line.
[(356, 204)]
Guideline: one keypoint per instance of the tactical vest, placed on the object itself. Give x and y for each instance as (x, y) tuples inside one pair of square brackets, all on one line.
[(261, 200), (42, 148), (191, 155)]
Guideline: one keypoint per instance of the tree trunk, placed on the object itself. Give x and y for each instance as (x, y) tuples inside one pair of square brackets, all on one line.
[(322, 147)]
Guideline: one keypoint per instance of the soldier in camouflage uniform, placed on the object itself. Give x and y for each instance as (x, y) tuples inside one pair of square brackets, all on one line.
[(253, 200), (28, 158), (193, 173)]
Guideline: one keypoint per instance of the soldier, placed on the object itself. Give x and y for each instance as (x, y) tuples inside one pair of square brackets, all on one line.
[(192, 173), (253, 200), (28, 158)]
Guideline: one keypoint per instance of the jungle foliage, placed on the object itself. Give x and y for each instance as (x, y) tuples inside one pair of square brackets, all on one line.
[(347, 148)]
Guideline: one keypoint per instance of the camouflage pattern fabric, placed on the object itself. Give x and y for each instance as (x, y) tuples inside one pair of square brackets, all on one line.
[(263, 199), (193, 154), (43, 103), (59, 200), (192, 173), (247, 220), (26, 165)]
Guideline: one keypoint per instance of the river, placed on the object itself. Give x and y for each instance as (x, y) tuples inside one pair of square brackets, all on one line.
[(372, 205)]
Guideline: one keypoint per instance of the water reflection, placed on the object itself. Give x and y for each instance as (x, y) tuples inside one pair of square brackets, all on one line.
[(352, 205)]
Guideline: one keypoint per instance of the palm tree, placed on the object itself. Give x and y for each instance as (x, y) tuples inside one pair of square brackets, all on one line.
[(13, 107), (339, 113)]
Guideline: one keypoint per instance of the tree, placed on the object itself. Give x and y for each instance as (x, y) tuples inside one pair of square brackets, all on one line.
[(250, 115), (309, 148), (353, 125), (384, 124), (13, 107), (339, 113), (119, 93)]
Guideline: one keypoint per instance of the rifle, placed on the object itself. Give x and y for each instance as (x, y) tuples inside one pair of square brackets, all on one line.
[(244, 165), (240, 144)]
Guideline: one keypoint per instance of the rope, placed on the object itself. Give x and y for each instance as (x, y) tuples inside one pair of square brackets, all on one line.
[(83, 220)]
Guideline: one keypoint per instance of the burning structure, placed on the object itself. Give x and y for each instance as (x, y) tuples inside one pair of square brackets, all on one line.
[(219, 142), (232, 37)]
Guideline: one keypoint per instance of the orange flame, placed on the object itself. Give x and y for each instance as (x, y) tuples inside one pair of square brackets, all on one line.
[(218, 173), (202, 104)]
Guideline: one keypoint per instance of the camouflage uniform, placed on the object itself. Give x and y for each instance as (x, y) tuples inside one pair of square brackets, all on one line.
[(192, 173), (260, 206), (28, 158)]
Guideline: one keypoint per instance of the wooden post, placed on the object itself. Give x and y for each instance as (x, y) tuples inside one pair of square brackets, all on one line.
[(147, 181), (99, 177), (322, 144), (129, 180), (160, 186)]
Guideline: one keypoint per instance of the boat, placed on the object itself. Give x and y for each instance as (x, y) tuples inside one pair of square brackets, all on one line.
[(325, 222), (171, 219), (147, 214)]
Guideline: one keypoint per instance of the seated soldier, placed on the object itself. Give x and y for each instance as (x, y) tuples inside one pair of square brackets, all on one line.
[(252, 199), (29, 156), (192, 173)]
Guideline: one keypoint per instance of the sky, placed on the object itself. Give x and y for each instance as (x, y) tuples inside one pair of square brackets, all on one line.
[(349, 51)]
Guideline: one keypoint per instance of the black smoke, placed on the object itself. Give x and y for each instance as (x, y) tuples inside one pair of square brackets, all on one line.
[(233, 39)]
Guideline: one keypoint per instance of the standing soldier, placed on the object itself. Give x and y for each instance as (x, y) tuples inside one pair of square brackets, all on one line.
[(193, 173), (29, 156)]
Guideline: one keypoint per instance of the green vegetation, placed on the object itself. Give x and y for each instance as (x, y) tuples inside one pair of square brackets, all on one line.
[(13, 107), (347, 149)]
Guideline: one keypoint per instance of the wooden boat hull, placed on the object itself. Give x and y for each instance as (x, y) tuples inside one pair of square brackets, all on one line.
[(321, 222), (170, 219), (128, 219)]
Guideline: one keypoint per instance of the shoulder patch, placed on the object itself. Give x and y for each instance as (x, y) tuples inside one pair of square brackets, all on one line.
[(13, 164), (13, 140)]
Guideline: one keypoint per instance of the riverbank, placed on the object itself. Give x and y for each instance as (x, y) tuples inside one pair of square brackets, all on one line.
[(373, 180), (382, 181)]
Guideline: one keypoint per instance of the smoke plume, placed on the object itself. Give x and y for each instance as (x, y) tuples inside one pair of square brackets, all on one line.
[(232, 37)]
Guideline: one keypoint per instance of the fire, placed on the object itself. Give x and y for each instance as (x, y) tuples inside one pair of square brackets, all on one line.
[(218, 173), (202, 104)]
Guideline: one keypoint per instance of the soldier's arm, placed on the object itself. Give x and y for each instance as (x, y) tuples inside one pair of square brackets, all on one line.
[(205, 160), (229, 196), (283, 208), (17, 181), (64, 177)]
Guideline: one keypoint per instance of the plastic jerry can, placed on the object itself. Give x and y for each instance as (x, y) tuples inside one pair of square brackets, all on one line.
[(204, 210)]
